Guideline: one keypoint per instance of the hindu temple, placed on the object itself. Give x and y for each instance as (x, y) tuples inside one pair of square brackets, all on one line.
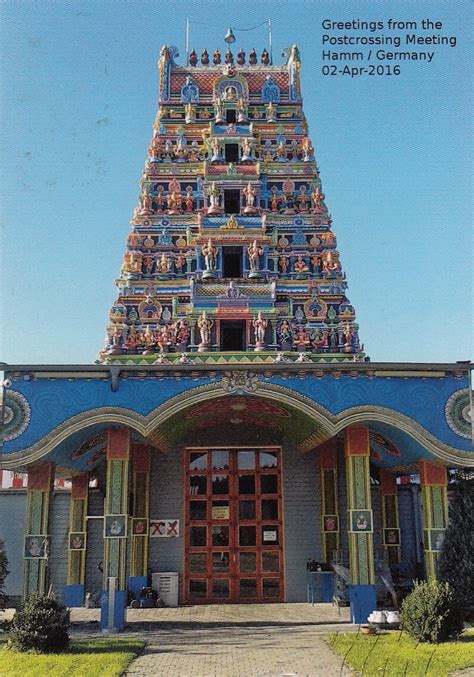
[(232, 432)]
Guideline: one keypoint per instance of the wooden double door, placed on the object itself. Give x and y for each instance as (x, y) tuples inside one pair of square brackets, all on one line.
[(233, 525)]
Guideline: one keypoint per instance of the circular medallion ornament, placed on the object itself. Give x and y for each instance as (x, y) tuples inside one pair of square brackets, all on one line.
[(458, 413), (16, 416)]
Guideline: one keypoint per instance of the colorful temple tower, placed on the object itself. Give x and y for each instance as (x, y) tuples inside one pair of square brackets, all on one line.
[(231, 252), (232, 428)]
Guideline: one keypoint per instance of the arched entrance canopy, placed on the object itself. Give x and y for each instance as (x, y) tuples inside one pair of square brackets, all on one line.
[(306, 411)]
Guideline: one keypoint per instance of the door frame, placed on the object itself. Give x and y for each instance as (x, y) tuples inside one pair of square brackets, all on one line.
[(234, 576)]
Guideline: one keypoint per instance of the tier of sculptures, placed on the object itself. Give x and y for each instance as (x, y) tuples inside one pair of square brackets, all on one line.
[(175, 202), (165, 263), (229, 57), (212, 149), (172, 336)]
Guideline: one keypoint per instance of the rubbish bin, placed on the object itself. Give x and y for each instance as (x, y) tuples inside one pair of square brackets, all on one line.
[(166, 584)]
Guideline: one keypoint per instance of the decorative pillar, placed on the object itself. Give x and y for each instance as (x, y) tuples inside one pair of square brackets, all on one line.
[(36, 547), (114, 598), (77, 537), (329, 502), (390, 520), (359, 523), (434, 491), (140, 510)]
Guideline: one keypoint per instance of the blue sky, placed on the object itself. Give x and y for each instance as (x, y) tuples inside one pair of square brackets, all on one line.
[(78, 99)]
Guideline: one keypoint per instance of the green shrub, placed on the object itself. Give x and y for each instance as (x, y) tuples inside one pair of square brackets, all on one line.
[(431, 613), (40, 624)]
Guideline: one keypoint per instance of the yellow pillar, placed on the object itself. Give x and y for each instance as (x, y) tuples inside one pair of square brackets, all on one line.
[(390, 519), (77, 541), (434, 491), (359, 523), (36, 546), (140, 510)]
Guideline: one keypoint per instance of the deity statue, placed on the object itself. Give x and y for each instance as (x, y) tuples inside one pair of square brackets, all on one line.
[(241, 111), (246, 150), (330, 262), (180, 262), (302, 339), (190, 112), (210, 257), (274, 201), (284, 262), (154, 151), (302, 200), (271, 112), (250, 194), (204, 325), (285, 334), (254, 253), (163, 265), (219, 110), (214, 195), (148, 264), (317, 200), (174, 201), (215, 150), (308, 149), (146, 204), (133, 338), (188, 200), (300, 265), (182, 332), (148, 339), (260, 325), (159, 199), (281, 153)]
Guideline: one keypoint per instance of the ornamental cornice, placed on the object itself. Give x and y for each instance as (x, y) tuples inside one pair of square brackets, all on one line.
[(238, 382)]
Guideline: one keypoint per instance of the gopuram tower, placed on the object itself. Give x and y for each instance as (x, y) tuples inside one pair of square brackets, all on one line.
[(232, 444), (231, 254)]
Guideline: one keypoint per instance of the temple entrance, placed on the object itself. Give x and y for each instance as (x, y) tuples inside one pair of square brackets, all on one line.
[(232, 262), (233, 526), (232, 335)]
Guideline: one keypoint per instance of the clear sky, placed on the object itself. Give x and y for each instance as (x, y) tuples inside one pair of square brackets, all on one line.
[(78, 100)]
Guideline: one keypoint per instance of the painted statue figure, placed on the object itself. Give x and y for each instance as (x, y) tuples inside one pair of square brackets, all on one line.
[(260, 325), (210, 255), (254, 252), (205, 325)]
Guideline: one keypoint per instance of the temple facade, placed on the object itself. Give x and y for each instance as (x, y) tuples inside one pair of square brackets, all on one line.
[(232, 428)]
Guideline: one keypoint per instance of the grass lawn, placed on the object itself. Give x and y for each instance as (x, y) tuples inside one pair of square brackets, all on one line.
[(394, 654), (85, 657)]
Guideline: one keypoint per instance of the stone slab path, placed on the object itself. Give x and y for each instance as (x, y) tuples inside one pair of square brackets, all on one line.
[(273, 640)]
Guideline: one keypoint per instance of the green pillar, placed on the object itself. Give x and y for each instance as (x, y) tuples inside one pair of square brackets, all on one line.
[(434, 491), (36, 547), (359, 523), (114, 599)]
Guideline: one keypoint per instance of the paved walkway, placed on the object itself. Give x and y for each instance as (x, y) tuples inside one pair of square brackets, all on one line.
[(241, 640), (244, 640)]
